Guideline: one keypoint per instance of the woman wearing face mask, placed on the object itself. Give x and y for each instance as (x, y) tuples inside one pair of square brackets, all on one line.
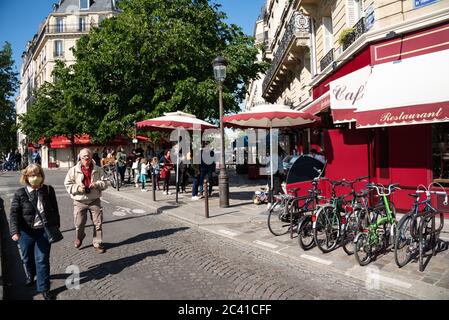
[(27, 228)]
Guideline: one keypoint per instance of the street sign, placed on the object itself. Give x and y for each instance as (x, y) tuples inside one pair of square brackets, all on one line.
[(369, 20), (422, 3)]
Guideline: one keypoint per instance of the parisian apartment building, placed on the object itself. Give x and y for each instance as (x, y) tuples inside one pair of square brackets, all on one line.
[(67, 22), (375, 72)]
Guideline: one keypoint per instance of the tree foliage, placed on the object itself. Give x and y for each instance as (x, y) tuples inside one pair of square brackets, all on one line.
[(8, 84), (154, 57)]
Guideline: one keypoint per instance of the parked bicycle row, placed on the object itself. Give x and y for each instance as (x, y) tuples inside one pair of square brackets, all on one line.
[(363, 222)]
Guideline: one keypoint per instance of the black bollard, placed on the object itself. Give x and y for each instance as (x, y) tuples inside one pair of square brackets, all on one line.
[(206, 198), (153, 183)]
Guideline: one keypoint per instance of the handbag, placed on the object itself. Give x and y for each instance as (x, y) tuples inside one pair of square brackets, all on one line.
[(52, 231)]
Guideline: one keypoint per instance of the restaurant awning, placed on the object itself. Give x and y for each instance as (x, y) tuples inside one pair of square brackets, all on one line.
[(408, 91), (346, 93), (318, 104)]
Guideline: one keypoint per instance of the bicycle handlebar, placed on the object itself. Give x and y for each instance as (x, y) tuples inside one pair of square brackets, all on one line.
[(392, 187)]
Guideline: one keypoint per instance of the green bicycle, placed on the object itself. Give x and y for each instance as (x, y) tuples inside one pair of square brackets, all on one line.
[(380, 233)]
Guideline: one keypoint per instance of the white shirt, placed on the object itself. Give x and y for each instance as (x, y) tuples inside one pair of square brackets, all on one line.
[(37, 220)]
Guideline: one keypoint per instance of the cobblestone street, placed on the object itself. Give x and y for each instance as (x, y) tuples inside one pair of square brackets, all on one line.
[(153, 256)]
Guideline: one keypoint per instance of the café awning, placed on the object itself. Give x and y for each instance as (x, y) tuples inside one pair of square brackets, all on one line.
[(346, 94), (405, 92)]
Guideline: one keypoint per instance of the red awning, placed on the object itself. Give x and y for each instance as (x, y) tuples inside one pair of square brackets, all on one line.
[(346, 93), (408, 91), (62, 142), (318, 104)]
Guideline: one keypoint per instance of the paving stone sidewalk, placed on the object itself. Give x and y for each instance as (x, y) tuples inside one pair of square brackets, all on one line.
[(246, 222)]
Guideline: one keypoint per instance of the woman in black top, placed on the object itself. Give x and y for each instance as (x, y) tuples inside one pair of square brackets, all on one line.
[(26, 226)]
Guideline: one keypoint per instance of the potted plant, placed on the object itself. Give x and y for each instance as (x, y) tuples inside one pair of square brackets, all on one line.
[(344, 35)]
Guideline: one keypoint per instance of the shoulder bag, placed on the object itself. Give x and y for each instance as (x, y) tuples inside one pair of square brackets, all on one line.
[(52, 231)]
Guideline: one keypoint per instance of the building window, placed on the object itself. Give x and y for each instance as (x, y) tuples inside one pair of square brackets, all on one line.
[(440, 152), (59, 52), (59, 24), (84, 4), (82, 24), (328, 34)]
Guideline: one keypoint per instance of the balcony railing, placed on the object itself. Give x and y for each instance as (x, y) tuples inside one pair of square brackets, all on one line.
[(359, 29), (327, 59), (299, 23)]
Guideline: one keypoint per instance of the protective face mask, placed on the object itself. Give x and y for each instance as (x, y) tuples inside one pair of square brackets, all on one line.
[(35, 181)]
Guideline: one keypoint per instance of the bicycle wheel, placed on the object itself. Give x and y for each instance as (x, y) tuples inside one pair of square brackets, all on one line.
[(352, 227), (112, 180), (362, 249), (405, 244), (327, 229), (278, 222), (118, 181), (425, 240), (305, 233)]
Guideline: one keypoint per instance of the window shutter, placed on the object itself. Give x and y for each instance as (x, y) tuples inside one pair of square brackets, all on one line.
[(351, 13), (328, 34)]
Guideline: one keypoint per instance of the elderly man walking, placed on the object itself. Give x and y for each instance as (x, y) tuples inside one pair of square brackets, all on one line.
[(84, 184)]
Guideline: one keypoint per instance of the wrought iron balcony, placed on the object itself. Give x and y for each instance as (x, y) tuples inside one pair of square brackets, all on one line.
[(298, 26), (327, 59), (359, 29)]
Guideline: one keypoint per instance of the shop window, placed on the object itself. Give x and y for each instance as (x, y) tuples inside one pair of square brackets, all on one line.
[(440, 152)]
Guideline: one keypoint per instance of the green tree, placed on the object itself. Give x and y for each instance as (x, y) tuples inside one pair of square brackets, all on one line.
[(155, 57), (59, 109), (8, 85)]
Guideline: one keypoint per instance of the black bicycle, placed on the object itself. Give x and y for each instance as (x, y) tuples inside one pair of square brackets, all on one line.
[(417, 232)]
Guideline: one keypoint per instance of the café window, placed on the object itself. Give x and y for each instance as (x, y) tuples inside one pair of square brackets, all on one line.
[(440, 153)]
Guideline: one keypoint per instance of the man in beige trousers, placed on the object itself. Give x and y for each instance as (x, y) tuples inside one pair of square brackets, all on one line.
[(84, 184)]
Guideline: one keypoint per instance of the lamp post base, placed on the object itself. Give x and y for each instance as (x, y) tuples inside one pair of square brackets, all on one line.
[(223, 186)]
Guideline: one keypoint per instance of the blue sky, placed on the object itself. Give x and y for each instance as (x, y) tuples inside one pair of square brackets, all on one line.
[(20, 19)]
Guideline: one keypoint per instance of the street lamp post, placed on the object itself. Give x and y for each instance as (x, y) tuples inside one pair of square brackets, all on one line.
[(219, 65)]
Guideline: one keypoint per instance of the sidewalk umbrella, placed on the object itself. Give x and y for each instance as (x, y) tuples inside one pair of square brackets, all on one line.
[(270, 116), (173, 121)]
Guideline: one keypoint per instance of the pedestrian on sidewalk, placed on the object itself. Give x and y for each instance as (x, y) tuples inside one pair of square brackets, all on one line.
[(155, 169), (84, 184), (136, 168), (166, 166), (144, 168), (194, 172), (27, 226)]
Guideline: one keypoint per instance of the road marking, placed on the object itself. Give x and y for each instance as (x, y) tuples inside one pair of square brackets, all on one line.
[(316, 259), (105, 201), (119, 213), (229, 233), (396, 282), (265, 244), (138, 211)]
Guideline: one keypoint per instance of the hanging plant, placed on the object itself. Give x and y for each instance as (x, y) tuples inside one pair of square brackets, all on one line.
[(344, 34)]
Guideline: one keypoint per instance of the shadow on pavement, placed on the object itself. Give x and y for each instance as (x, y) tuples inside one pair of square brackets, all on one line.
[(144, 237), (13, 277), (104, 269), (112, 221)]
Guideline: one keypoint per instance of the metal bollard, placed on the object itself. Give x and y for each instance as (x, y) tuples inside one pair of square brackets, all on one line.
[(206, 198), (153, 184)]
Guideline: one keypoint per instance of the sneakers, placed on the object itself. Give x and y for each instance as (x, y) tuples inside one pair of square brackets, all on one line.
[(169, 192), (194, 198), (144, 190), (100, 248)]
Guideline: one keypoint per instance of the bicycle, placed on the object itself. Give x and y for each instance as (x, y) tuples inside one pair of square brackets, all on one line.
[(328, 222), (111, 174), (305, 224), (279, 216), (416, 230), (376, 237)]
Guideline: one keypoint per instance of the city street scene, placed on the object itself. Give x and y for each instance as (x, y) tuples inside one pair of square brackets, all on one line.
[(221, 150)]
